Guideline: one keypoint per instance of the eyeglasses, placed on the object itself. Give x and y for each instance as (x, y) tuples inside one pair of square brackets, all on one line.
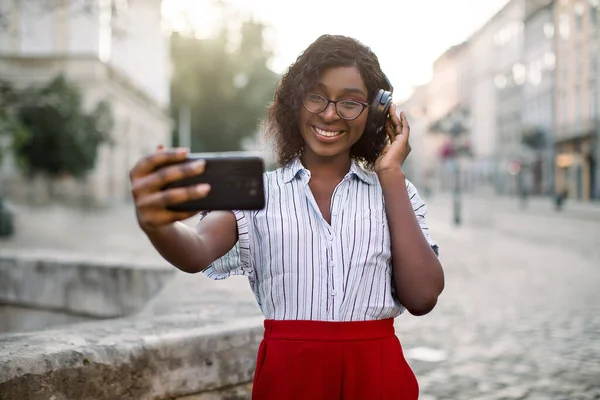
[(346, 109)]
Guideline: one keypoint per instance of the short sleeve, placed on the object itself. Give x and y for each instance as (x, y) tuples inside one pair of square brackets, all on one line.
[(237, 260), (420, 210)]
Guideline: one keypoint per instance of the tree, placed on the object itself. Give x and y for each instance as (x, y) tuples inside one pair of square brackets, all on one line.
[(533, 137), (12, 131), (226, 91), (63, 138)]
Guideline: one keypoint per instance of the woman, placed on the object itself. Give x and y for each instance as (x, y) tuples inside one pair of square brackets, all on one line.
[(341, 248)]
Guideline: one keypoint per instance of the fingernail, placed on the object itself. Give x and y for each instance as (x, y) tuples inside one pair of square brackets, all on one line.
[(181, 150), (203, 188), (199, 164)]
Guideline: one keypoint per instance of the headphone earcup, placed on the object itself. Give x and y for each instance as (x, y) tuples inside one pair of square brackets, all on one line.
[(379, 109)]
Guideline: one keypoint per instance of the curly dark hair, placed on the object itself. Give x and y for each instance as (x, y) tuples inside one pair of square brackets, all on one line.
[(328, 51)]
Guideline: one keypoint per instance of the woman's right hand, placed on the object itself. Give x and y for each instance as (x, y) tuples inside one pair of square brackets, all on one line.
[(153, 172)]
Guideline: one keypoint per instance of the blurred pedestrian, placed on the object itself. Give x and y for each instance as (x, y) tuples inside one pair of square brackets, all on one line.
[(342, 246)]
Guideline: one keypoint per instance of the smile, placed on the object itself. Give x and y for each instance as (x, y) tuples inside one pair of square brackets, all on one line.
[(327, 133)]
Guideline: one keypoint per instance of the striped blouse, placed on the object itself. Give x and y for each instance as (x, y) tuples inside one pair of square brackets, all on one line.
[(302, 268)]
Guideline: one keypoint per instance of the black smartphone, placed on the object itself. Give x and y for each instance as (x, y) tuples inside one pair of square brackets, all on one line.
[(236, 183)]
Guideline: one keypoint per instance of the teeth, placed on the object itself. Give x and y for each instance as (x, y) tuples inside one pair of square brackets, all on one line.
[(327, 133)]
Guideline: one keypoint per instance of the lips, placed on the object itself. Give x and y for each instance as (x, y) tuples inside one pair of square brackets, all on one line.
[(326, 134)]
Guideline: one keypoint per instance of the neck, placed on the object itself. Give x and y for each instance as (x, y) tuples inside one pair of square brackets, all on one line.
[(329, 168)]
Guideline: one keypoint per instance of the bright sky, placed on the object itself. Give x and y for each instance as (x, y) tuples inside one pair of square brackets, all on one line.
[(406, 35)]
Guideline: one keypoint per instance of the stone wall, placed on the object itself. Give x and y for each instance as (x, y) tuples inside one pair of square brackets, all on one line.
[(167, 357), (40, 290), (184, 337)]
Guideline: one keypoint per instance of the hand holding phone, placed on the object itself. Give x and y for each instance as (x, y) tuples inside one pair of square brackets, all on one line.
[(151, 174), (236, 183)]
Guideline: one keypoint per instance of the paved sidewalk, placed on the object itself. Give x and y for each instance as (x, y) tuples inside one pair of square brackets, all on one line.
[(519, 318)]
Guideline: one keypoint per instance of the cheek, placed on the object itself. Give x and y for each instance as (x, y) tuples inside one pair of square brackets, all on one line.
[(360, 124), (303, 117)]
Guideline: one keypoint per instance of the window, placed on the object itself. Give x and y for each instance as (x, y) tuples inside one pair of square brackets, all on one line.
[(548, 30), (593, 62), (594, 9), (578, 110), (105, 37), (564, 28), (579, 10)]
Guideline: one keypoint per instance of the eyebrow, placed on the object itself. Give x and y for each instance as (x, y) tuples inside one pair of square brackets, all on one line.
[(345, 90)]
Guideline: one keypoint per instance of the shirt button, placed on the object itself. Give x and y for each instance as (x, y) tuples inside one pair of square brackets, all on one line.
[(333, 293), (330, 238)]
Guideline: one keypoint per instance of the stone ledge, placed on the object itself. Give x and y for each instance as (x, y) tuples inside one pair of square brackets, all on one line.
[(133, 358), (94, 287)]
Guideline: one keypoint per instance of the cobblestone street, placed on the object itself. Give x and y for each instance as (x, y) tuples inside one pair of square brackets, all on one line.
[(519, 318), (520, 315)]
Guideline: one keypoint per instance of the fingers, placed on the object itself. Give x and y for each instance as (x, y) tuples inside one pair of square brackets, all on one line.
[(148, 164), (394, 117), (390, 131), (404, 125), (158, 179), (159, 219), (397, 125), (165, 198)]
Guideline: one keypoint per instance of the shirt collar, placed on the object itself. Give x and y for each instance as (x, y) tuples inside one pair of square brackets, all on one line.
[(295, 168)]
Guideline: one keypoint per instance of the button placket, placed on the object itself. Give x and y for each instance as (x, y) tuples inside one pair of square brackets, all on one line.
[(339, 201)]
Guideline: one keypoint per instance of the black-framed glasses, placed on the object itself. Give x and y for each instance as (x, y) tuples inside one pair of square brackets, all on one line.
[(346, 109)]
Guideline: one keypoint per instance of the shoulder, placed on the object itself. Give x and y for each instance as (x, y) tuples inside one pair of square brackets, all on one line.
[(410, 187), (274, 177)]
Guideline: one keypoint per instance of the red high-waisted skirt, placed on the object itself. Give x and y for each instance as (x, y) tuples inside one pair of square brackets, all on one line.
[(316, 360)]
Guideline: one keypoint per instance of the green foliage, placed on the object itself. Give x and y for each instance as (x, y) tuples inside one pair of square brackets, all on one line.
[(227, 91), (63, 138), (12, 131)]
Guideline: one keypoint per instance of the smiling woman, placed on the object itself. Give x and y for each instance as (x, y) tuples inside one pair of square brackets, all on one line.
[(341, 247)]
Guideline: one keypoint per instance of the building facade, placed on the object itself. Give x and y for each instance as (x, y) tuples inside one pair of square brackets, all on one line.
[(486, 61), (449, 114), (423, 166), (537, 134), (511, 75), (576, 102), (526, 88), (114, 51)]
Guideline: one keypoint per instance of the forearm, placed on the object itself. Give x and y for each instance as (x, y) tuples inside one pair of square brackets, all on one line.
[(418, 274), (181, 246)]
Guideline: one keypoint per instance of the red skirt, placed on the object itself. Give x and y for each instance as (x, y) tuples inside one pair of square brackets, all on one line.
[(314, 360)]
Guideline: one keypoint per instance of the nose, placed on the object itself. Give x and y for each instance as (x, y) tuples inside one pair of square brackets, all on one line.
[(330, 113)]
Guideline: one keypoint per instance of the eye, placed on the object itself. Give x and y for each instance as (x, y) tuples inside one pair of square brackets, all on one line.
[(315, 98), (350, 105)]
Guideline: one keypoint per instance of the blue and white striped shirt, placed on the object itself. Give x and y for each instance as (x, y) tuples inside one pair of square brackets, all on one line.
[(302, 268)]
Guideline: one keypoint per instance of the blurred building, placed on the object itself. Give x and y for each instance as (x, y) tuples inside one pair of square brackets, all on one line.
[(576, 102), (510, 77), (449, 112), (423, 166), (485, 63), (537, 134), (113, 50), (522, 94)]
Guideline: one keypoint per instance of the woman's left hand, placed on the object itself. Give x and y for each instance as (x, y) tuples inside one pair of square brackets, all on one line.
[(397, 148)]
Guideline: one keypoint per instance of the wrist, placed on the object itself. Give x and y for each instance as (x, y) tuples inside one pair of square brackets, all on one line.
[(391, 174), (154, 231)]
